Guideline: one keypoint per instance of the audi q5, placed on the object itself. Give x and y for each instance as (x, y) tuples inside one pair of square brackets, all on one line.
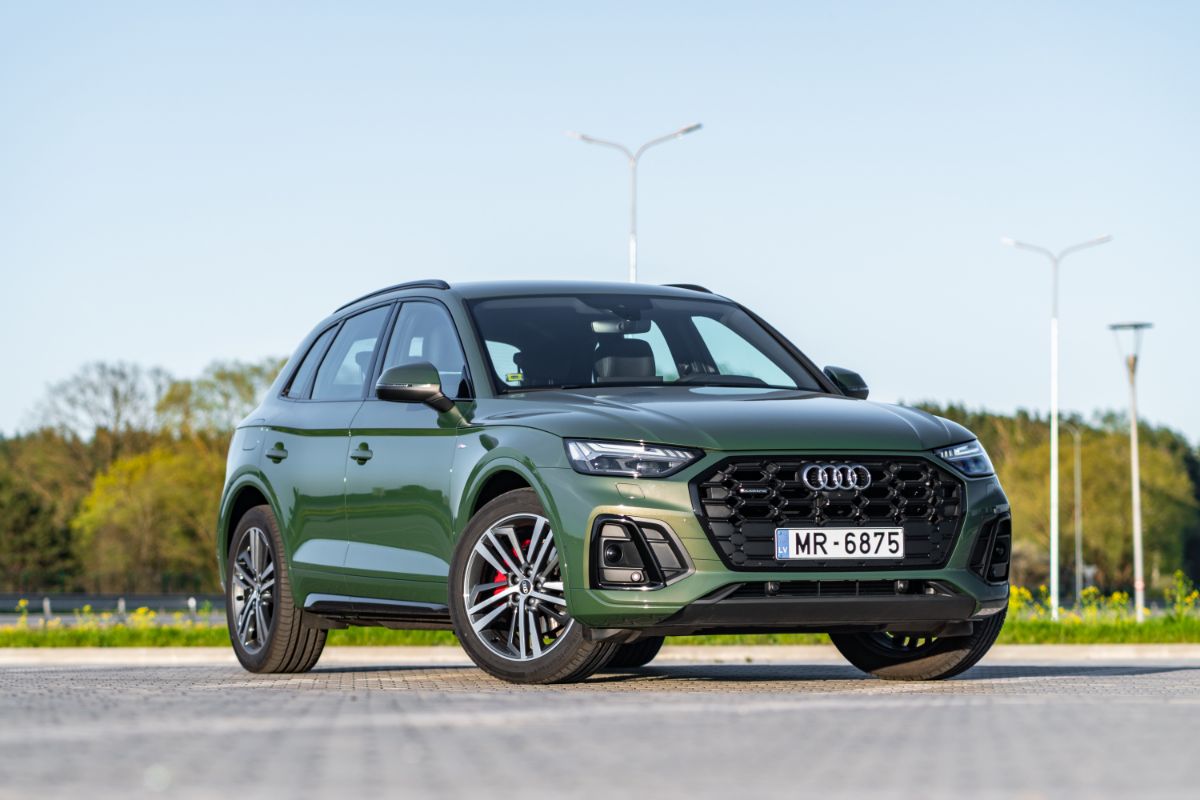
[(565, 473)]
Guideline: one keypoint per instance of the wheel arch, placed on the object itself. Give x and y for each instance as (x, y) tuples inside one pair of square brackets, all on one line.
[(239, 498), (495, 478)]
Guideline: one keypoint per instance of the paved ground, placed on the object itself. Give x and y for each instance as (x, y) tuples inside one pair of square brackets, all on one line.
[(1026, 724)]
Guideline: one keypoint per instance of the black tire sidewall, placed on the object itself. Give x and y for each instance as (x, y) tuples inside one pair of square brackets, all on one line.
[(636, 654), (946, 658), (264, 659)]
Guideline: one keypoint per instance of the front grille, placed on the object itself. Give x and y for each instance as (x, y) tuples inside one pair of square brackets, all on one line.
[(742, 500)]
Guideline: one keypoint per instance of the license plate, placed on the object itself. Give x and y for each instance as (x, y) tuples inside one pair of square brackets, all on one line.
[(825, 543)]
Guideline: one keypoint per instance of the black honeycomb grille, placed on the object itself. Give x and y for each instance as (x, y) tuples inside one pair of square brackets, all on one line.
[(742, 501)]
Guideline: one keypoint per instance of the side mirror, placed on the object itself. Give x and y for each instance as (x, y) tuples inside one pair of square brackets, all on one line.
[(849, 381), (418, 382)]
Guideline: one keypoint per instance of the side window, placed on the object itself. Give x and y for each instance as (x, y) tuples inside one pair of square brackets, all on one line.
[(308, 365), (736, 356), (344, 370), (425, 332)]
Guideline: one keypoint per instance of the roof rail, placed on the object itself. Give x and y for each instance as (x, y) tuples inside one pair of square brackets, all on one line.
[(428, 283), (695, 287)]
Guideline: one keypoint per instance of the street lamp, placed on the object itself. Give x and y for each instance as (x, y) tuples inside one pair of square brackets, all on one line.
[(1077, 434), (1055, 260), (1135, 330), (634, 156)]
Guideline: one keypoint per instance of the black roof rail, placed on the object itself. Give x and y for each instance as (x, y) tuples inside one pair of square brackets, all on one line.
[(428, 283), (695, 287)]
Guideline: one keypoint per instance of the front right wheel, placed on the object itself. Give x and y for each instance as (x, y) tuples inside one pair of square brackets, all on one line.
[(918, 657), (508, 599)]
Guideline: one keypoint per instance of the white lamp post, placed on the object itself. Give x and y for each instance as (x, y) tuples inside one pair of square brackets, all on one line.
[(634, 156), (1135, 330), (1055, 260)]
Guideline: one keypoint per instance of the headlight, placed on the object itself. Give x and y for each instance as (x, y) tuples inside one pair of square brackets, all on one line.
[(970, 459), (628, 459)]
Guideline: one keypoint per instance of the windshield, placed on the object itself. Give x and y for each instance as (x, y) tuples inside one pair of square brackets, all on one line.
[(581, 341)]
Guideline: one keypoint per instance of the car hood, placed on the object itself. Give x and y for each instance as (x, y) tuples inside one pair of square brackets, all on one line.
[(724, 418)]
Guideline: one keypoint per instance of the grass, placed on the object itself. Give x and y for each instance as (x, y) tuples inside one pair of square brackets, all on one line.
[(1100, 619)]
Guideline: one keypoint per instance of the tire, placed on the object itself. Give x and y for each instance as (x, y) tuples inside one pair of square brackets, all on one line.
[(896, 657), (636, 654), (291, 642), (508, 602)]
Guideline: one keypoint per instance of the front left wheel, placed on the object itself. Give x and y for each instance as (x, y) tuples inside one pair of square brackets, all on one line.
[(508, 600), (269, 633)]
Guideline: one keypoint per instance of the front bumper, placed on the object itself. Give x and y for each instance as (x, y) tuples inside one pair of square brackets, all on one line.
[(734, 610), (702, 601)]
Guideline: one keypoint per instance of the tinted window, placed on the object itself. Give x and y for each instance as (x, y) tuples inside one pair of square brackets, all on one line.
[(633, 340), (308, 366), (425, 332), (343, 372)]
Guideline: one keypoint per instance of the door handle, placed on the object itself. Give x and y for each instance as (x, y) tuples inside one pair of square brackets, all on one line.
[(362, 454), (277, 453)]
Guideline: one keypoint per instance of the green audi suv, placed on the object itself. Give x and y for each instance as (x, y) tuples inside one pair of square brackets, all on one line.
[(565, 473)]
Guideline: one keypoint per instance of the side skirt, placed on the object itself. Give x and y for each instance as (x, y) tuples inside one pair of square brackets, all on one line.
[(340, 611)]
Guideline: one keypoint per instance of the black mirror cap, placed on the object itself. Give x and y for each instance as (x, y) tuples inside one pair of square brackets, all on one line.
[(418, 382), (849, 381)]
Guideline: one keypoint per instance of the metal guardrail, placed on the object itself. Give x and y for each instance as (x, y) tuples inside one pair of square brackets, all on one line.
[(68, 604)]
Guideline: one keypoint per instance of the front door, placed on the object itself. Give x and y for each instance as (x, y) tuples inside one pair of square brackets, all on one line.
[(398, 480)]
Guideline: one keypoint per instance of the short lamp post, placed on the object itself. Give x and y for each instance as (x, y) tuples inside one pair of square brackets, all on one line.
[(1129, 354)]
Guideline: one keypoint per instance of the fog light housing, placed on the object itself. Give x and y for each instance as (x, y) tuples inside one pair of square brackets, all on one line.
[(630, 553)]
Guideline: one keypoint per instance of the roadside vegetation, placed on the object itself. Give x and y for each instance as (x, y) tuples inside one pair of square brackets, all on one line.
[(1099, 619)]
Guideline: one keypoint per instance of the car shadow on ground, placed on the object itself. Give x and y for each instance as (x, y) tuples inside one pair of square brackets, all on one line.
[(801, 673), (834, 672)]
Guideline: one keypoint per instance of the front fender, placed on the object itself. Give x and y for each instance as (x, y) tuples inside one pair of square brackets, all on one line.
[(487, 452)]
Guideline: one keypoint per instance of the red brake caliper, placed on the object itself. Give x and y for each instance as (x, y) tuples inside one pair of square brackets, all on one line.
[(503, 578)]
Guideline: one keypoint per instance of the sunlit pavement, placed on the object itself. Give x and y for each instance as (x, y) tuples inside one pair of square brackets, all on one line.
[(1030, 722)]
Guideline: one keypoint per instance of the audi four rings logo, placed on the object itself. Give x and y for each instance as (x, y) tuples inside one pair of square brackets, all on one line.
[(835, 476)]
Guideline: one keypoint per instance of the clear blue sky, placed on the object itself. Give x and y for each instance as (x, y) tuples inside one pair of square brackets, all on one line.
[(182, 184)]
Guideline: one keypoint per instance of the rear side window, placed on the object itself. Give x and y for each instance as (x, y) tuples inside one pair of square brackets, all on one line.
[(344, 370), (303, 377)]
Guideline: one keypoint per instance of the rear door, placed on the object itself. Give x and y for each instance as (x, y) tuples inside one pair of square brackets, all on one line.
[(398, 481), (306, 445)]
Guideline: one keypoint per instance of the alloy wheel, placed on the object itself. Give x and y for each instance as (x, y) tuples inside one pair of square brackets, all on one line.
[(254, 590), (513, 589)]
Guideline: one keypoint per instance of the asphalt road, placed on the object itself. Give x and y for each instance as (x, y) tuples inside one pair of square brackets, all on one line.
[(1019, 727)]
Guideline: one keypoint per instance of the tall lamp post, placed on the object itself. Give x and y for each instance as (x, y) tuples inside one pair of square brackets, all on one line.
[(634, 156), (1130, 356), (1077, 435), (1055, 260)]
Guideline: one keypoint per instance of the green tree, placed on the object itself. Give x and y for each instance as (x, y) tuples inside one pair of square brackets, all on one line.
[(147, 523), (1020, 449), (35, 552)]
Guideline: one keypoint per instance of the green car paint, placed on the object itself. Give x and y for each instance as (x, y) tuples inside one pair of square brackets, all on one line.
[(370, 495)]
